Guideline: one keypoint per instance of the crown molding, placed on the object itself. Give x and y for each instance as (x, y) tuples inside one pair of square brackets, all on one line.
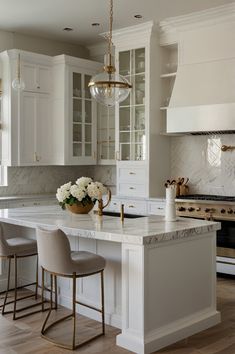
[(170, 27), (132, 33)]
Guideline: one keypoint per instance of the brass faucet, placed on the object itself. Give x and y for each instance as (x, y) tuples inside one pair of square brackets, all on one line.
[(122, 213), (101, 205)]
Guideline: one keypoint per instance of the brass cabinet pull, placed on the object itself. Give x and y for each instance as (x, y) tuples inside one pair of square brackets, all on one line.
[(130, 206), (131, 173), (131, 188)]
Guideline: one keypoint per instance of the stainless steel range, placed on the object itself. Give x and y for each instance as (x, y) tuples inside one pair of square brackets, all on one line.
[(219, 208)]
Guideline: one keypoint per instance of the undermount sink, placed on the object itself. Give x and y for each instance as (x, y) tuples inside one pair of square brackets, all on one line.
[(128, 216)]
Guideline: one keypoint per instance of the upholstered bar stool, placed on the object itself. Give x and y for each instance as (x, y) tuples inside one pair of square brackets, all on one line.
[(15, 248), (56, 258)]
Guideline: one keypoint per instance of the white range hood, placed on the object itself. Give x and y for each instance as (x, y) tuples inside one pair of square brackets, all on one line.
[(203, 97)]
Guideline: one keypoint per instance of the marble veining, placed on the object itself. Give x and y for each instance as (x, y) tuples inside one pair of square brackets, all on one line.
[(146, 230), (200, 158)]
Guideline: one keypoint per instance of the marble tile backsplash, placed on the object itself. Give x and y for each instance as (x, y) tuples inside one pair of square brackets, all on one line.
[(200, 158), (46, 179)]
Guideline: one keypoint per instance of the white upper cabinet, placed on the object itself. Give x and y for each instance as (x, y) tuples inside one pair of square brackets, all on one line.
[(106, 135), (37, 78), (28, 125), (142, 152), (74, 110)]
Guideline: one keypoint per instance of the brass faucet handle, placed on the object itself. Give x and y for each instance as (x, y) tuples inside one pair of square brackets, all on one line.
[(122, 213)]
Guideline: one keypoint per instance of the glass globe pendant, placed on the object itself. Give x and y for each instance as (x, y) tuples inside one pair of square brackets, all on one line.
[(109, 87), (18, 84)]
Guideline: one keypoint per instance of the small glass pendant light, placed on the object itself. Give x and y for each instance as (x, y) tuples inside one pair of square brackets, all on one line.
[(18, 84), (108, 87)]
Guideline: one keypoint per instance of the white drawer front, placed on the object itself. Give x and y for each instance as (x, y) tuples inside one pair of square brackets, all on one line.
[(132, 189), (114, 205), (130, 174), (135, 207), (156, 208)]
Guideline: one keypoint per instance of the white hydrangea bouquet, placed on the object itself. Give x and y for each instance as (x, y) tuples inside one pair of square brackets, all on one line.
[(83, 194)]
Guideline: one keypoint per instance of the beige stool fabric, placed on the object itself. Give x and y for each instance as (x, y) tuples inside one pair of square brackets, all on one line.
[(18, 245), (56, 258), (55, 255), (14, 248)]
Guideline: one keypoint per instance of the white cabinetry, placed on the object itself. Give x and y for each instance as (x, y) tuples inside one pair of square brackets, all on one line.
[(74, 110), (106, 135), (27, 120), (37, 78), (142, 152), (35, 130)]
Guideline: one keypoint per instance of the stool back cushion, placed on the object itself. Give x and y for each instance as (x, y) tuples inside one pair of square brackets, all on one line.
[(54, 251)]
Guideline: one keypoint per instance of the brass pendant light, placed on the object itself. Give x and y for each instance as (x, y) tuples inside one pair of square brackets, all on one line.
[(108, 87)]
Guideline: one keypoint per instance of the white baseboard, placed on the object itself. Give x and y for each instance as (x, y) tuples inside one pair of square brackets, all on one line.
[(160, 339)]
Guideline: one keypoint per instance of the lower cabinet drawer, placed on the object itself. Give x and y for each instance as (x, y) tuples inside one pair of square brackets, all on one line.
[(132, 189), (156, 208), (114, 205), (132, 174), (135, 207)]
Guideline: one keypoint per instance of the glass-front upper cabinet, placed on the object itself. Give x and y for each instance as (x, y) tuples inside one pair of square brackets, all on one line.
[(132, 122), (83, 142), (106, 135)]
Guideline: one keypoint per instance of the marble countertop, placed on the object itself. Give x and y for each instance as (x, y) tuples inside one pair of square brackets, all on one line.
[(145, 230), (27, 196)]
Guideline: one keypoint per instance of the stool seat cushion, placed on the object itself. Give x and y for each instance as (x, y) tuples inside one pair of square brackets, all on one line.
[(20, 246), (86, 262)]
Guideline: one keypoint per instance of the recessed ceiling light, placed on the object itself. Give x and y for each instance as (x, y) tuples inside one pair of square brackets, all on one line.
[(95, 24), (67, 29), (138, 16)]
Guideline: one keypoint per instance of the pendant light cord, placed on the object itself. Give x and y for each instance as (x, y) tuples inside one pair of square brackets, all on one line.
[(110, 32), (18, 67)]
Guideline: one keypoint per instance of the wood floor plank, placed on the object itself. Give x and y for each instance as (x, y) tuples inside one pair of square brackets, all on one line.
[(23, 336)]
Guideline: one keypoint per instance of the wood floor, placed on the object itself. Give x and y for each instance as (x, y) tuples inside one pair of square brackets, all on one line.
[(22, 336)]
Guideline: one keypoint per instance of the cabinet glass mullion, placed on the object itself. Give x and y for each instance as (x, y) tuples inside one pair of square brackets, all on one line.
[(132, 125)]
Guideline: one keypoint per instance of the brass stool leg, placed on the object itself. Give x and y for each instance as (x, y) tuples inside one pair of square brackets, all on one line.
[(74, 311), (43, 280), (56, 294), (8, 285), (49, 313), (15, 290), (36, 285), (102, 301)]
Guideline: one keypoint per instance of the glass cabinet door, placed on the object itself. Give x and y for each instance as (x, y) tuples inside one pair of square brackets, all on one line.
[(77, 114), (106, 134), (82, 116), (132, 124)]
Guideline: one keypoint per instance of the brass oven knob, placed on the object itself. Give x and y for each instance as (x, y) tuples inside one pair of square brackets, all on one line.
[(222, 211), (230, 211), (181, 209), (191, 209), (198, 209), (207, 210)]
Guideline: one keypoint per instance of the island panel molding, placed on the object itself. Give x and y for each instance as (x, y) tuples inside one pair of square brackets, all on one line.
[(159, 266)]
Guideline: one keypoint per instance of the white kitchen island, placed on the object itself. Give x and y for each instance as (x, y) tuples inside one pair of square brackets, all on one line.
[(160, 279)]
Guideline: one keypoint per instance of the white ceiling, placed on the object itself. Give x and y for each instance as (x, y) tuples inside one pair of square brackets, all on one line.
[(47, 18)]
